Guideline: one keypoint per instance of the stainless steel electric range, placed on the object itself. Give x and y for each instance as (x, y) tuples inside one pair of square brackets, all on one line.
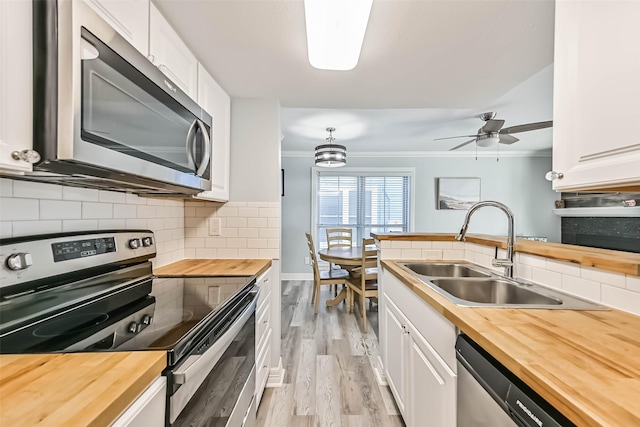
[(95, 291)]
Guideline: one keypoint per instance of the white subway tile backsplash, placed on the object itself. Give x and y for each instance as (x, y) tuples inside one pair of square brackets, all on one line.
[(112, 197), (136, 223), (112, 224), (227, 253), (249, 253), (633, 283), (581, 287), (14, 209), (546, 277), (6, 187), (420, 245), (145, 211), (269, 212), (133, 199), (257, 222), (60, 209), (534, 261), (36, 190), (453, 254), (442, 245), (237, 222), (563, 267), (401, 244), (6, 229), (606, 277), (623, 299), (79, 225), (249, 232), (28, 228), (92, 210), (249, 212), (80, 194), (124, 211)]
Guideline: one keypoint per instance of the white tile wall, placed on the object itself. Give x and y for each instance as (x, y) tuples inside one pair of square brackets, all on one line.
[(247, 230), (608, 288), (35, 208)]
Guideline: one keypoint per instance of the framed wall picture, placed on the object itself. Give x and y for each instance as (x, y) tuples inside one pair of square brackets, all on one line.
[(457, 193)]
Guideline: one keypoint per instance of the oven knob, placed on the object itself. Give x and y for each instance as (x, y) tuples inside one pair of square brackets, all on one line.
[(147, 241), (134, 243), (147, 320), (134, 327), (19, 261)]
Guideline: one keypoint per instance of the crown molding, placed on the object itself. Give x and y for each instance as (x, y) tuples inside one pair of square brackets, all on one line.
[(403, 154)]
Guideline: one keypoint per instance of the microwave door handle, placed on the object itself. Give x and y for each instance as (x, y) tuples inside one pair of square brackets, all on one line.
[(191, 139), (207, 149)]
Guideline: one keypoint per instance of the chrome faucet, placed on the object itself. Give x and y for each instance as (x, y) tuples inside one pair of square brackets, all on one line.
[(507, 263)]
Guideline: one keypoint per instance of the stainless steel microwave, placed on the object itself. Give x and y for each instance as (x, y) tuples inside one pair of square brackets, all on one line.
[(104, 116)]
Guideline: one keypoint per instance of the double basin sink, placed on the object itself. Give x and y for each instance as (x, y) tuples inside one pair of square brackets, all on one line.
[(472, 286)]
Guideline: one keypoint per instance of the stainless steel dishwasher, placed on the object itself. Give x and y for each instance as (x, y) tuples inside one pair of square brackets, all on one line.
[(489, 395)]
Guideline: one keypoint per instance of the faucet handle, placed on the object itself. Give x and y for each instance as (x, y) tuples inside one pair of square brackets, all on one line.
[(501, 262)]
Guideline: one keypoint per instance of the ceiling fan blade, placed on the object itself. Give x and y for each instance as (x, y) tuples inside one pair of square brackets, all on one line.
[(452, 137), (493, 126), (462, 145), (508, 139), (527, 127)]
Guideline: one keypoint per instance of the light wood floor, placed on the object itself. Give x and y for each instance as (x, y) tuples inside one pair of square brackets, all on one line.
[(329, 379)]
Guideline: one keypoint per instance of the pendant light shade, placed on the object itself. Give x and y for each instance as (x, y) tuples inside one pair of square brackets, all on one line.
[(331, 155)]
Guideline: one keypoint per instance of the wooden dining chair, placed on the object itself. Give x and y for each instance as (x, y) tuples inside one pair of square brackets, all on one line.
[(339, 237), (364, 280), (332, 276)]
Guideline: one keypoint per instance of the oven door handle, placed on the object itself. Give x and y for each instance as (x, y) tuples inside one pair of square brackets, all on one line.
[(205, 361)]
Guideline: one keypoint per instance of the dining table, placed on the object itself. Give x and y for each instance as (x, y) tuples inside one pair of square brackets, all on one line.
[(348, 258)]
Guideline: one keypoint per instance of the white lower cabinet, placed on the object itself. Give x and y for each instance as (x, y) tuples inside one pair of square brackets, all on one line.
[(148, 409), (263, 334), (418, 355)]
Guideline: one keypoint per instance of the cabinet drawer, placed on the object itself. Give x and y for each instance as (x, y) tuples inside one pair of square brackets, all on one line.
[(263, 322), (262, 366)]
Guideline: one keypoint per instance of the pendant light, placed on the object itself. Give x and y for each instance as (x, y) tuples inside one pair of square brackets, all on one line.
[(331, 155)]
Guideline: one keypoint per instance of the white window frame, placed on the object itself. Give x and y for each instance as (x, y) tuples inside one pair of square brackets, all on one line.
[(355, 171)]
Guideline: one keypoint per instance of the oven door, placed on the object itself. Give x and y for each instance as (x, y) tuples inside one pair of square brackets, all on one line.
[(216, 386)]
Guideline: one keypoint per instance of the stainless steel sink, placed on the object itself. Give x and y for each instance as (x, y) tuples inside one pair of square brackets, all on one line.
[(469, 285), (436, 269), (493, 291)]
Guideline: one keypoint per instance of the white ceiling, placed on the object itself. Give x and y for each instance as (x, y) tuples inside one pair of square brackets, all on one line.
[(426, 68)]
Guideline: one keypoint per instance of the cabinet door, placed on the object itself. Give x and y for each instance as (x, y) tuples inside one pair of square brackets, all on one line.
[(148, 410), (169, 53), (431, 386), (15, 83), (394, 351), (129, 18), (216, 102), (596, 94)]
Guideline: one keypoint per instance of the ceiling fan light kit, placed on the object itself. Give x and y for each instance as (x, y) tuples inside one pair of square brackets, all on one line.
[(492, 132), (331, 155), (335, 32)]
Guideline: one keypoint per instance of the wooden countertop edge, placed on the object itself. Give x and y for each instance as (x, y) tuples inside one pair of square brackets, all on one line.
[(476, 323), (100, 397), (191, 267), (604, 259)]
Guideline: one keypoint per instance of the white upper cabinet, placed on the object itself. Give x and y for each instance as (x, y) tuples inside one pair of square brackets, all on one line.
[(16, 85), (216, 102), (129, 18), (169, 53), (596, 105)]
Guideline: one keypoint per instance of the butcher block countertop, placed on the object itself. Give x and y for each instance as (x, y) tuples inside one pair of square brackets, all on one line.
[(214, 267), (605, 259), (585, 363), (77, 389)]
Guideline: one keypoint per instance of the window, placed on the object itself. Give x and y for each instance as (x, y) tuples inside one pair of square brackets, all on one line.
[(366, 201)]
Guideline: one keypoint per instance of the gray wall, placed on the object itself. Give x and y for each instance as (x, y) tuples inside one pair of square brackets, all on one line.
[(516, 181)]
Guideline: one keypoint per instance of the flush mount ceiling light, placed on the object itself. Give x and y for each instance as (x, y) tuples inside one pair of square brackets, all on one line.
[(335, 32), (488, 140), (331, 155)]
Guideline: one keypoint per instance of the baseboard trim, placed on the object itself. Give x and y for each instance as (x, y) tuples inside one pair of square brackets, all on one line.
[(276, 376), (296, 276)]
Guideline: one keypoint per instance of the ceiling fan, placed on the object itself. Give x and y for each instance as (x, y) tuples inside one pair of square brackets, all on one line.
[(492, 132)]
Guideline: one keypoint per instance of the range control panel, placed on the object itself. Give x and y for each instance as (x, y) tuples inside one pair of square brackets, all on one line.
[(82, 248), (33, 258)]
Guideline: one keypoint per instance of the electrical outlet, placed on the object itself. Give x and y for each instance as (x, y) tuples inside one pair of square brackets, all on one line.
[(307, 260), (214, 226)]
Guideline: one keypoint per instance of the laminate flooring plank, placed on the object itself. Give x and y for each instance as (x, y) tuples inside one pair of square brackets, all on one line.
[(327, 393), (328, 364), (305, 387), (280, 407)]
